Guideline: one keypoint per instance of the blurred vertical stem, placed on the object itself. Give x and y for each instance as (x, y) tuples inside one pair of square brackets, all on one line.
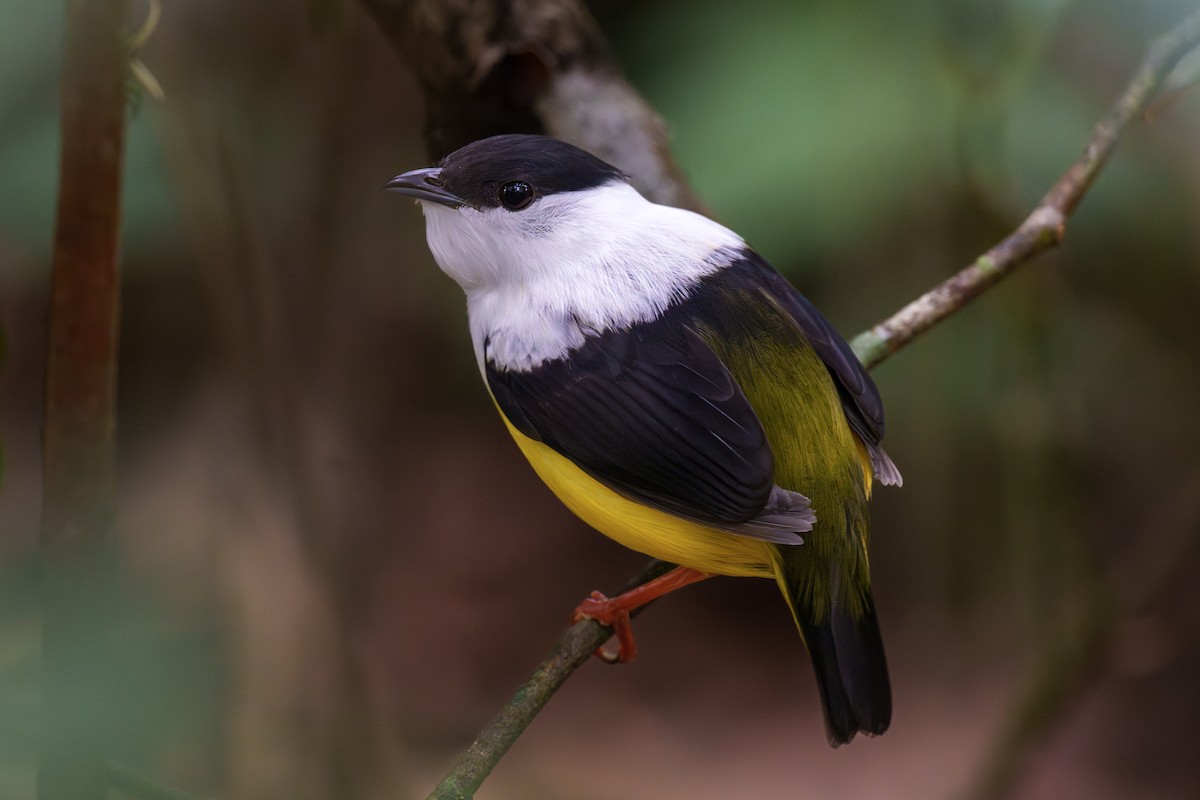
[(78, 504)]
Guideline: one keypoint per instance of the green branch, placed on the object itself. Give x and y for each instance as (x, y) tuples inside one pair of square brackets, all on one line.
[(573, 648)]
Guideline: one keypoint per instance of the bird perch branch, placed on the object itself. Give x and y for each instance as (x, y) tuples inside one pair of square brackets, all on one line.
[(573, 648), (489, 66), (1045, 227)]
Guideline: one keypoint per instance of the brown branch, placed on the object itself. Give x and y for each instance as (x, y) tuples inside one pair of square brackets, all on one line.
[(1045, 227), (490, 66), (80, 413), (529, 66)]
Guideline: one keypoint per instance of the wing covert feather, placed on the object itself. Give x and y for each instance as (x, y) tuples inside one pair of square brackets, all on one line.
[(652, 413)]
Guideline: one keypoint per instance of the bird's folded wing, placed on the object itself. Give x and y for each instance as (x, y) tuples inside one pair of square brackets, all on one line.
[(860, 399), (653, 414)]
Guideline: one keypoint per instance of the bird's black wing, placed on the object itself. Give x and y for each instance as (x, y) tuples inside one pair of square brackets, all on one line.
[(652, 413), (860, 398)]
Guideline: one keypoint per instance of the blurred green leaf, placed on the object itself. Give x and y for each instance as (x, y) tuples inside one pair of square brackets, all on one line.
[(802, 124)]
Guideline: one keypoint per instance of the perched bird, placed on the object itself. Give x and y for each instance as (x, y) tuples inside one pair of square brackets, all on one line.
[(673, 390)]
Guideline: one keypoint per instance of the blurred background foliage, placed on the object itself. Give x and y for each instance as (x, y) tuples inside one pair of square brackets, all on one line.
[(335, 567)]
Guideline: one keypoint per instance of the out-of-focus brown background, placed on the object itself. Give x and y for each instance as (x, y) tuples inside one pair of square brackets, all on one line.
[(334, 565)]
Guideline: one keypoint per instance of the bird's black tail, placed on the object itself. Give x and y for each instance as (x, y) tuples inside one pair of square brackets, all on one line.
[(852, 675)]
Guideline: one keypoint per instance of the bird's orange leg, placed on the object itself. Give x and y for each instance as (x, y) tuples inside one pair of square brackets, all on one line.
[(614, 612)]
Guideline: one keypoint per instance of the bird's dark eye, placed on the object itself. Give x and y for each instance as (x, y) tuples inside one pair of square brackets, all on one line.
[(515, 195)]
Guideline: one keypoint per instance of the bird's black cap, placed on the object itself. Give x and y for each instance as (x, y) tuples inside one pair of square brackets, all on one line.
[(476, 173)]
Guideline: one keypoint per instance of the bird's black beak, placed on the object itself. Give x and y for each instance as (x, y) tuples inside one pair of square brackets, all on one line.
[(426, 185)]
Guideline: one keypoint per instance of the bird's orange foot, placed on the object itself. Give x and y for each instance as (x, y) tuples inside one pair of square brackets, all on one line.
[(614, 614)]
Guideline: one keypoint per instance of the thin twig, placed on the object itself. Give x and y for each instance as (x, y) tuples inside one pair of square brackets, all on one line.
[(78, 504), (573, 648), (1044, 228)]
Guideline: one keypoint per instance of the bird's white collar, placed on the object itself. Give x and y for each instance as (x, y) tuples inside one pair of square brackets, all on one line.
[(539, 280)]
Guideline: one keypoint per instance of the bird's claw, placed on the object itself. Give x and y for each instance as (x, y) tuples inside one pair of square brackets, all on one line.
[(612, 614)]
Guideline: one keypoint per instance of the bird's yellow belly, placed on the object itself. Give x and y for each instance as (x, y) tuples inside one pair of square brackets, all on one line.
[(639, 527)]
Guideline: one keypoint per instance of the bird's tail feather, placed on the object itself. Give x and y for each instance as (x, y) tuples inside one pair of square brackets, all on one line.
[(852, 675)]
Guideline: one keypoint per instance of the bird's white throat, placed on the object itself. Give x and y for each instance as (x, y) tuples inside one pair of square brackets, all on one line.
[(539, 280)]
